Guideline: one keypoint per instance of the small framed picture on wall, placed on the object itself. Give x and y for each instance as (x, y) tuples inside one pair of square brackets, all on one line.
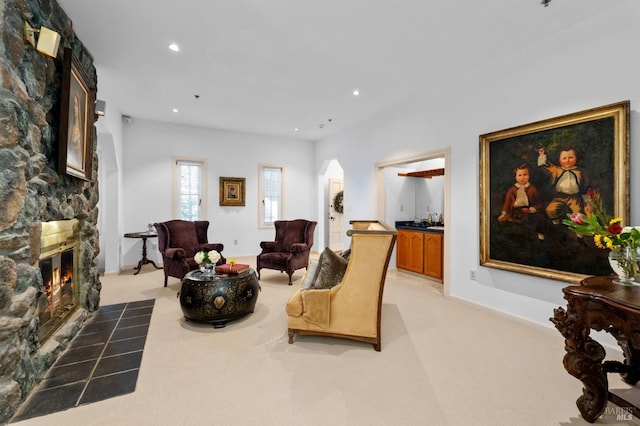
[(232, 191)]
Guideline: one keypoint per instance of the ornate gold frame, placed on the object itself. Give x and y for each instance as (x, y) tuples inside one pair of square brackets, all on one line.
[(232, 191), (616, 141), (78, 95)]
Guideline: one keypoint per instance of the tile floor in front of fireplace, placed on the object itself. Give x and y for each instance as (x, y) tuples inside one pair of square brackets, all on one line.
[(102, 361)]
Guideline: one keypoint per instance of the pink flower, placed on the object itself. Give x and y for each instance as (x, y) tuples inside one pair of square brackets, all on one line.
[(577, 218)]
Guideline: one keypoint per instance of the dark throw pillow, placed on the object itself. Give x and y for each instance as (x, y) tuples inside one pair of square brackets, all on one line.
[(346, 254), (331, 268)]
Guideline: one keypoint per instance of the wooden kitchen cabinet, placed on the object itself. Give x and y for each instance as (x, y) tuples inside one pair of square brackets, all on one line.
[(410, 251), (433, 254), (420, 252), (402, 249)]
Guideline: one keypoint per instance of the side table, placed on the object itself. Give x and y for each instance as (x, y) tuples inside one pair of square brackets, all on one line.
[(144, 260), (599, 304), (218, 298)]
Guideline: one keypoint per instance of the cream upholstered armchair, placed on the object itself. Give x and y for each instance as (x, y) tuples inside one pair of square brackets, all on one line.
[(350, 309)]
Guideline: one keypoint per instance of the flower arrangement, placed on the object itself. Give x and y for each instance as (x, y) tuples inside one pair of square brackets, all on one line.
[(206, 257), (607, 232)]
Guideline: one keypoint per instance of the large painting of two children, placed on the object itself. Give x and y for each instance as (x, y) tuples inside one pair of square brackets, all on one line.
[(534, 176)]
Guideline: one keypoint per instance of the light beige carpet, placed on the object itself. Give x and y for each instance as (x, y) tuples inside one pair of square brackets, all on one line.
[(443, 362)]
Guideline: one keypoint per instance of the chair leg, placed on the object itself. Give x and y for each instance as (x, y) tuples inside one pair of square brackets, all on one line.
[(290, 273), (290, 336), (165, 279)]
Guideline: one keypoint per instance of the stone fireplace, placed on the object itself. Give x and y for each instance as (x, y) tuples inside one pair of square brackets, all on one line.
[(43, 303), (58, 267)]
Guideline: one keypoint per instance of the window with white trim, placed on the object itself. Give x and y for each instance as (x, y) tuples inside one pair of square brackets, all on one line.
[(271, 182), (189, 191)]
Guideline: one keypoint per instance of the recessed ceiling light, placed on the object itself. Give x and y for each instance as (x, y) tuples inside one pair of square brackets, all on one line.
[(295, 129), (174, 47), (175, 110), (356, 92)]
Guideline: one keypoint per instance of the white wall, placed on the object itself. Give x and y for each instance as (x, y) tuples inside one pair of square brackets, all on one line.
[(587, 64), (148, 151), (430, 197), (110, 226), (409, 198), (331, 170), (400, 195)]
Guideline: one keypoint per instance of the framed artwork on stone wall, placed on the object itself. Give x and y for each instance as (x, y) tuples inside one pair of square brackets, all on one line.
[(522, 172), (75, 149)]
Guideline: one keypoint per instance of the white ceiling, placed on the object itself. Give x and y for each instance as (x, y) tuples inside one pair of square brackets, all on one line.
[(269, 66)]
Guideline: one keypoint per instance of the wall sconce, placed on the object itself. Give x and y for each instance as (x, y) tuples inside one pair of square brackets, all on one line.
[(48, 40), (101, 106)]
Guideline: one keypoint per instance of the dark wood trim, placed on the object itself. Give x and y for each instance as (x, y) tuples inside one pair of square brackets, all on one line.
[(424, 173)]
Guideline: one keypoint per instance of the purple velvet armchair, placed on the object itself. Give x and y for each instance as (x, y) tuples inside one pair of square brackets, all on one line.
[(290, 250), (179, 241)]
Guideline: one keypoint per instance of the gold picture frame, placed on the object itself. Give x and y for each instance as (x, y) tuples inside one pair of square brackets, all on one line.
[(537, 243), (77, 106), (232, 191)]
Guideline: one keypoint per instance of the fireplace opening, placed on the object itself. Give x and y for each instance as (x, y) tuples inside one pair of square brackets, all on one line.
[(59, 269)]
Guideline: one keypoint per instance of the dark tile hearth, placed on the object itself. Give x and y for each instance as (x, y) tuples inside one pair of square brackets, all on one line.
[(101, 362)]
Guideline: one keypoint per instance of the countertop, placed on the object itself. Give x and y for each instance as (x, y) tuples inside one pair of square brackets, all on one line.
[(410, 225)]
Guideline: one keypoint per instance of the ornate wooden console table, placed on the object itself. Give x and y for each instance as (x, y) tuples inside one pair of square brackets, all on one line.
[(599, 304)]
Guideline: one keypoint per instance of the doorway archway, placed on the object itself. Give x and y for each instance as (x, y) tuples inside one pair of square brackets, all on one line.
[(381, 198), (330, 173)]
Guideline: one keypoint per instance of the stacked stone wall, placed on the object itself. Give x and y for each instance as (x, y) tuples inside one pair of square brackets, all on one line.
[(32, 192)]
